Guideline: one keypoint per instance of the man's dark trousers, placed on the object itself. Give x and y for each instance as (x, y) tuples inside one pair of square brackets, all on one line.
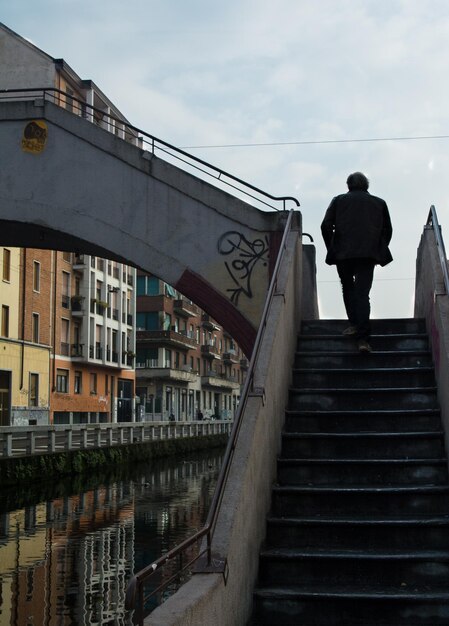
[(356, 276)]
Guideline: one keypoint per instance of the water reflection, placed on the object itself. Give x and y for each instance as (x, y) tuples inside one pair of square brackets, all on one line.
[(67, 560)]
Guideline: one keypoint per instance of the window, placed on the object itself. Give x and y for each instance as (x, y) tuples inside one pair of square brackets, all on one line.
[(35, 328), (6, 264), (36, 276), (5, 320), (78, 382), (34, 390), (65, 337), (62, 381), (65, 295), (147, 286), (93, 384)]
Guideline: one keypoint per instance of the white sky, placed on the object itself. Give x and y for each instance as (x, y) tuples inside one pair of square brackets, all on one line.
[(199, 72)]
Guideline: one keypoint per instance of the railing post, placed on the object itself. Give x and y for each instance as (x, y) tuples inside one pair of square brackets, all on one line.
[(52, 440), (110, 436), (84, 439), (31, 444), (69, 441), (8, 445), (121, 436), (98, 437)]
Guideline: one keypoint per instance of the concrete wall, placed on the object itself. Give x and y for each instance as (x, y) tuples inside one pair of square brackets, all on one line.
[(205, 599), (432, 303)]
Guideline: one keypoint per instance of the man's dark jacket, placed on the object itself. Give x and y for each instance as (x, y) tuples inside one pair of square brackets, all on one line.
[(357, 225)]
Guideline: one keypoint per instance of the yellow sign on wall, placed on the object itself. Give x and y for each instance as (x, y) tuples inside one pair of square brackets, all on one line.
[(34, 137)]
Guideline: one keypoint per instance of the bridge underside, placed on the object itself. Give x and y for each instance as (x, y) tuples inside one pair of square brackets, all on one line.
[(89, 191)]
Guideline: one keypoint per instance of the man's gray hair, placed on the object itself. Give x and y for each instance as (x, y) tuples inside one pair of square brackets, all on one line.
[(357, 182)]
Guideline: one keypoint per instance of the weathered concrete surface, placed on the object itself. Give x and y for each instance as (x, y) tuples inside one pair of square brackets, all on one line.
[(92, 192), (432, 303), (205, 599)]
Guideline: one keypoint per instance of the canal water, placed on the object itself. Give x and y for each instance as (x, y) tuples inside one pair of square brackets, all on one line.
[(68, 549)]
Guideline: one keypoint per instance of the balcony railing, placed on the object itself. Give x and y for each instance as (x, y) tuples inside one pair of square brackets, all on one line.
[(77, 349), (169, 337), (183, 307), (64, 349), (65, 301), (77, 304), (210, 351)]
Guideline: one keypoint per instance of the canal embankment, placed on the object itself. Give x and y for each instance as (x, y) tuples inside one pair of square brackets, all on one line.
[(41, 453)]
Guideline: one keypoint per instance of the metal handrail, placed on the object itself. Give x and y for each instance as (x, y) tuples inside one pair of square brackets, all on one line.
[(134, 594), (432, 221), (54, 94)]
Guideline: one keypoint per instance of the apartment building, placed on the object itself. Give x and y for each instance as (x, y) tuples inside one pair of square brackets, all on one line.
[(185, 362), (24, 363), (67, 319)]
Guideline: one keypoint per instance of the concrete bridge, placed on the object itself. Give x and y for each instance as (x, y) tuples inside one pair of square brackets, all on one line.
[(67, 184)]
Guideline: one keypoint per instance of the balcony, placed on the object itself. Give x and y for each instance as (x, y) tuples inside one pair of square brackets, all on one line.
[(207, 322), (98, 306), (65, 301), (166, 337), (79, 262), (77, 350), (230, 357), (153, 369), (244, 364), (128, 358), (77, 305), (210, 351), (64, 349), (96, 352), (215, 379), (183, 307)]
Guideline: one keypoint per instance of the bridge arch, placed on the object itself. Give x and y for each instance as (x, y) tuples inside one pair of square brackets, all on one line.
[(87, 190)]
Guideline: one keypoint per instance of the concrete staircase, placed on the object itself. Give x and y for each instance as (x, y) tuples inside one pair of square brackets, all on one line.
[(359, 527)]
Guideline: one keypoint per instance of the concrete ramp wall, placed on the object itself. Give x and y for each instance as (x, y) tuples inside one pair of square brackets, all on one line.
[(432, 303), (205, 599)]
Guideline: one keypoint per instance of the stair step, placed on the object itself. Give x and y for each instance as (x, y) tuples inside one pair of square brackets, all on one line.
[(366, 377), (382, 533), (364, 471), (389, 358), (310, 605), (290, 501), (418, 568), (378, 326), (401, 420), (421, 445), (349, 399), (340, 343)]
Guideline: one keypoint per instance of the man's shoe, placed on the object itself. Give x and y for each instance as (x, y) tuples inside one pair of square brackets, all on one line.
[(363, 346), (351, 330)]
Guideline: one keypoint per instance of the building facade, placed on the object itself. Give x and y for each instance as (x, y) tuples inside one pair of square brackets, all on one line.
[(187, 366), (67, 336)]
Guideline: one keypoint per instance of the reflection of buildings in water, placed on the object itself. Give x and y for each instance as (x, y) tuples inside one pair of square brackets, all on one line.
[(173, 519), (67, 562)]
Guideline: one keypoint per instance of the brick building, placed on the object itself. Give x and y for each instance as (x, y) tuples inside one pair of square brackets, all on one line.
[(185, 361)]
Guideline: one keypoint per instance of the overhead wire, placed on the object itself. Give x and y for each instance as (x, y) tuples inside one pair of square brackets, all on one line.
[(315, 142)]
